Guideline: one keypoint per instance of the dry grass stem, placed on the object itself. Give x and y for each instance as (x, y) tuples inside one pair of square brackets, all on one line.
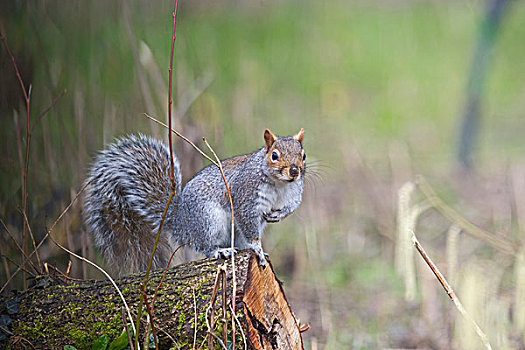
[(407, 219), (22, 251), (450, 291), (240, 328), (461, 222), (405, 256), (211, 324), (101, 270), (46, 235), (519, 297), (234, 280), (452, 252)]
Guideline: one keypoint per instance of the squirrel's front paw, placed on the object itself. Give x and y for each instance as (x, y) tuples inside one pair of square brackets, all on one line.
[(273, 216), (223, 253)]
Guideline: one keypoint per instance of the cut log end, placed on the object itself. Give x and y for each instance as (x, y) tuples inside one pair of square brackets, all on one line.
[(269, 319)]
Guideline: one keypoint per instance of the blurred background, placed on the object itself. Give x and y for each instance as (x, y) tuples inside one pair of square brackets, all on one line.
[(385, 90)]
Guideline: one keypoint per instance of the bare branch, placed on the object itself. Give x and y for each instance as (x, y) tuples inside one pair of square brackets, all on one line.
[(449, 291), (48, 108), (184, 138)]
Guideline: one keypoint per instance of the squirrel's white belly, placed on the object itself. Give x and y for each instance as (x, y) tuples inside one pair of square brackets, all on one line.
[(277, 197)]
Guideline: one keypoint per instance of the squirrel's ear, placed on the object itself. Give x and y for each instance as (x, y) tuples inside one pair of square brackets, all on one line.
[(299, 136), (269, 139)]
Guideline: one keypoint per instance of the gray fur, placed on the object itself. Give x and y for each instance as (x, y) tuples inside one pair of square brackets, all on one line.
[(129, 187)]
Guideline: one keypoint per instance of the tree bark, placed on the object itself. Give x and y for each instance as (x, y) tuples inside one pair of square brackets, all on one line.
[(52, 314)]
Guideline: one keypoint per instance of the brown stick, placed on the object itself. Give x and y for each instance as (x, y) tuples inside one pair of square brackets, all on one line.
[(166, 270), (18, 245), (449, 291), (212, 303), (148, 309), (48, 108), (130, 342)]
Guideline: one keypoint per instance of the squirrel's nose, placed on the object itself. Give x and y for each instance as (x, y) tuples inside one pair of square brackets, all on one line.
[(294, 171)]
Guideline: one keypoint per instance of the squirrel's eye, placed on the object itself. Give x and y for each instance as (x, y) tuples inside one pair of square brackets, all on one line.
[(275, 156), (304, 157)]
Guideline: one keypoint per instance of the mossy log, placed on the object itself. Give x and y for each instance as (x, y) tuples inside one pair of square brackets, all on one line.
[(53, 314)]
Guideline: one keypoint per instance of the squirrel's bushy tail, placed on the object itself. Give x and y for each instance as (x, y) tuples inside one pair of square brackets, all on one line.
[(128, 187)]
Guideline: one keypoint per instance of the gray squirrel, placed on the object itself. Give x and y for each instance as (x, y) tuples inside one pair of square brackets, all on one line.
[(128, 187)]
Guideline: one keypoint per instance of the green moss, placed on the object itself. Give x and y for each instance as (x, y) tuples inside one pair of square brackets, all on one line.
[(182, 321), (46, 326)]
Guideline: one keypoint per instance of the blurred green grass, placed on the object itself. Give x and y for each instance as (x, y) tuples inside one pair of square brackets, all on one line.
[(358, 76)]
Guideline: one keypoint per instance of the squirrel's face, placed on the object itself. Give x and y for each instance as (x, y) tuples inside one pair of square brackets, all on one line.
[(285, 157)]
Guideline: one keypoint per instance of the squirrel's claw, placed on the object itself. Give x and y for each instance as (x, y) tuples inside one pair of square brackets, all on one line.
[(262, 257)]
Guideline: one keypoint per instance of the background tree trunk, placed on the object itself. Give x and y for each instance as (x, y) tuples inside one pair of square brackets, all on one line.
[(52, 314), (476, 80)]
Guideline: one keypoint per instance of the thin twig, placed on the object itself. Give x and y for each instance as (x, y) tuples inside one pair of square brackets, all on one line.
[(211, 325), (68, 269), (234, 280), (146, 275), (170, 99), (48, 108), (127, 329), (57, 271), (182, 137), (46, 235), (148, 309), (240, 328), (32, 274), (165, 271), (27, 98), (33, 241), (18, 245), (449, 290), (20, 81), (6, 331), (219, 340)]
